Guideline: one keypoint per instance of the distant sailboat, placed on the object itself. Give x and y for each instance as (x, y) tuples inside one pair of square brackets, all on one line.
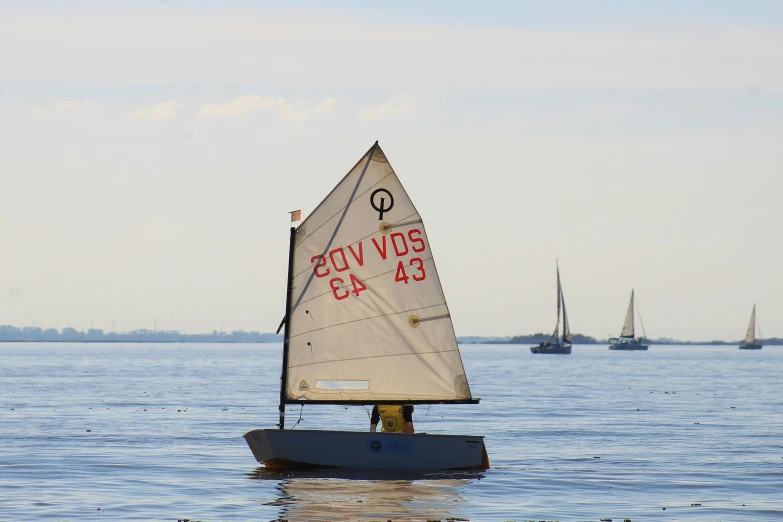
[(557, 344), (750, 337), (627, 339)]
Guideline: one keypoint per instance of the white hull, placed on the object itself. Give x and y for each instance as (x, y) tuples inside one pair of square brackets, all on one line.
[(297, 449)]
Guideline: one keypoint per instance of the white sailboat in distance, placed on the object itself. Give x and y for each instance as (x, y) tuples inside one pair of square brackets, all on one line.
[(627, 339), (367, 323), (557, 344), (750, 337)]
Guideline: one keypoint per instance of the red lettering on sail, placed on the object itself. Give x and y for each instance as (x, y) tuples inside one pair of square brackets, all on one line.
[(420, 268), (334, 263), (335, 284), (358, 286), (378, 247), (321, 263), (415, 240), (401, 275), (394, 237), (360, 258)]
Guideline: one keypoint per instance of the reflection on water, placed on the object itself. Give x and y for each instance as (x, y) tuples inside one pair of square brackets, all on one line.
[(341, 495)]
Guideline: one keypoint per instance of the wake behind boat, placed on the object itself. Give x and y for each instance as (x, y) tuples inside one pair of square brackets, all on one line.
[(627, 339), (558, 345), (750, 337), (367, 323)]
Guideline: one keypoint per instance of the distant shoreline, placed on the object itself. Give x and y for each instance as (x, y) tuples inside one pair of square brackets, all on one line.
[(769, 342), (34, 334), (116, 341)]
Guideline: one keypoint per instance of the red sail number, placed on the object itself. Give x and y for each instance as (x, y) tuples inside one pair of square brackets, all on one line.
[(402, 275), (335, 284), (420, 268), (358, 286), (341, 293)]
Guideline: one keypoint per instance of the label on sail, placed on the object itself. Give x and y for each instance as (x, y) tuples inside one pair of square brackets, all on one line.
[(368, 315)]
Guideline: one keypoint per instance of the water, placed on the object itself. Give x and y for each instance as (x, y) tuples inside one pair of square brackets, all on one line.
[(154, 432)]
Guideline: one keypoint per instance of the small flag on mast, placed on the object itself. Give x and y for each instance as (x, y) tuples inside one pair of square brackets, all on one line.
[(296, 215)]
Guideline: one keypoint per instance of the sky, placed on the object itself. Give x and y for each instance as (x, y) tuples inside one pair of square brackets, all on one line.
[(151, 150)]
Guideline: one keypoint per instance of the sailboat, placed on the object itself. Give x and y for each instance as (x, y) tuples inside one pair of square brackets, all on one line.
[(557, 344), (627, 339), (367, 322), (750, 337)]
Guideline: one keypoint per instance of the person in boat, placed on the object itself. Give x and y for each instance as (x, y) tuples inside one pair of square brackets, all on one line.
[(396, 418)]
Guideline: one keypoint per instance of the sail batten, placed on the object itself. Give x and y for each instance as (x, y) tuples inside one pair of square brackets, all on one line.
[(628, 325), (370, 318), (369, 306), (750, 336)]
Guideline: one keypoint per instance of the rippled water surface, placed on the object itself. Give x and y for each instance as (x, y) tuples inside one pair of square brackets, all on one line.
[(154, 432)]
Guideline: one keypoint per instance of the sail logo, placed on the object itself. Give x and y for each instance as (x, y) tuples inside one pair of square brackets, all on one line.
[(389, 446), (380, 208), (303, 385)]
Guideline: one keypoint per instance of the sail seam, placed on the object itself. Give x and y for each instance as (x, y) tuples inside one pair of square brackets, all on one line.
[(290, 366), (368, 318)]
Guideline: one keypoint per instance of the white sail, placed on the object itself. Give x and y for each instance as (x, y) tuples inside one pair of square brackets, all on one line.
[(559, 297), (369, 319), (628, 330), (750, 336), (566, 328)]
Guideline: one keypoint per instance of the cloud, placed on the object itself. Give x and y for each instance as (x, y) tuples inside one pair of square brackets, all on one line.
[(289, 111), (70, 104), (311, 47), (64, 107), (159, 112), (399, 104), (294, 110)]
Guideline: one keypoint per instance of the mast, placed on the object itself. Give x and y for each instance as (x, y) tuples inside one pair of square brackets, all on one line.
[(556, 335), (286, 332)]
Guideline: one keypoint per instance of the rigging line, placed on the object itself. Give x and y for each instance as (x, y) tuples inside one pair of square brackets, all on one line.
[(339, 224), (397, 224), (368, 318), (758, 326), (292, 366), (639, 310), (346, 285), (343, 208), (300, 417)]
